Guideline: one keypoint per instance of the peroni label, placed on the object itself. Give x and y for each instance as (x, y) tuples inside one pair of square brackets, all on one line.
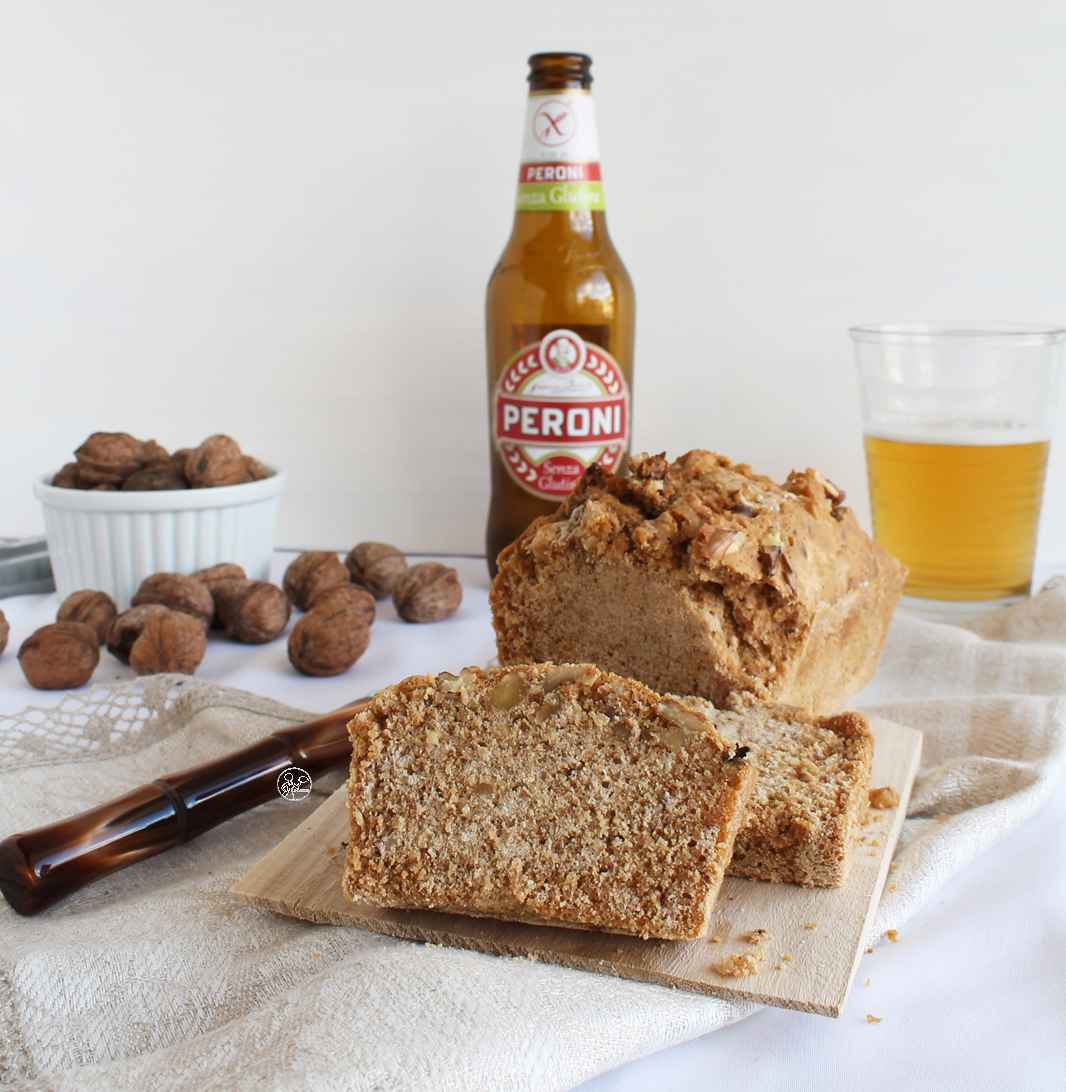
[(560, 405)]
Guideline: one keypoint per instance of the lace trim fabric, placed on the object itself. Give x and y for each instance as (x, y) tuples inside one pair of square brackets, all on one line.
[(118, 719)]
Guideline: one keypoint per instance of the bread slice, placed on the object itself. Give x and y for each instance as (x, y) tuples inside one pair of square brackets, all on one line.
[(810, 794), (552, 794), (741, 586)]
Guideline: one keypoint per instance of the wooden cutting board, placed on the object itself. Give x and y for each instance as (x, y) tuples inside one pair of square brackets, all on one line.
[(807, 962)]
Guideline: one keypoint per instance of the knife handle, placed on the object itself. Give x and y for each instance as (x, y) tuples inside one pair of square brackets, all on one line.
[(40, 867)]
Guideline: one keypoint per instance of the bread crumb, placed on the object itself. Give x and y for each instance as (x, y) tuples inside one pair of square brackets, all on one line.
[(786, 959), (715, 940), (811, 925), (875, 842), (738, 966), (780, 966), (229, 913), (867, 982), (331, 850), (317, 955), (868, 950), (884, 797), (873, 1019), (892, 887), (941, 817), (758, 936), (892, 935)]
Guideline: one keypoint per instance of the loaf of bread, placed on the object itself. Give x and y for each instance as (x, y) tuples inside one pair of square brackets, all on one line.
[(700, 577), (552, 794), (810, 794)]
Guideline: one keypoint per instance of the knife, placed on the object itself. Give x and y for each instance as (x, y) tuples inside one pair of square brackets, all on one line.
[(40, 867)]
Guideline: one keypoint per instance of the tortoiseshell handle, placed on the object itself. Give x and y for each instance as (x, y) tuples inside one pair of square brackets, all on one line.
[(40, 867)]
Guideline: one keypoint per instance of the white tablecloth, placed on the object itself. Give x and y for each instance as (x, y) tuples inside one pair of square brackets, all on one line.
[(972, 996)]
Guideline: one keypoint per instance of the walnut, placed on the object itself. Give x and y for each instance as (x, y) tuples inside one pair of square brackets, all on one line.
[(215, 575), (126, 628), (95, 608), (154, 456), (376, 566), (217, 461), (60, 656), (5, 629), (67, 478), (155, 477), (327, 640), (251, 611), (351, 594), (170, 642), (312, 571), (109, 458), (427, 592), (177, 460), (177, 592), (254, 471)]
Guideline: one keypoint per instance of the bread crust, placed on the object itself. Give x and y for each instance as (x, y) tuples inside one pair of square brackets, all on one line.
[(701, 577)]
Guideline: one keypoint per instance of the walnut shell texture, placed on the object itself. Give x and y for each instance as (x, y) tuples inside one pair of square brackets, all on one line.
[(126, 628), (108, 458), (216, 574), (312, 571), (376, 566), (177, 592), (252, 611), (351, 594), (67, 477), (427, 592), (327, 640), (60, 656), (217, 461), (154, 478), (95, 608), (170, 642)]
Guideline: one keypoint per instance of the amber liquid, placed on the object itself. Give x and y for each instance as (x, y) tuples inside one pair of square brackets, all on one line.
[(962, 517), (559, 269)]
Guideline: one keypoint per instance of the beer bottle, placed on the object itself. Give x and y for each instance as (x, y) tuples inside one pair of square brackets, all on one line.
[(559, 314)]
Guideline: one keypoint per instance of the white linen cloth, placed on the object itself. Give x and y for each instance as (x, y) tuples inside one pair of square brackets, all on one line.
[(156, 979)]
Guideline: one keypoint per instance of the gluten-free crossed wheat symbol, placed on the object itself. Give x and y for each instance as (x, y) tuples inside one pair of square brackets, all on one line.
[(553, 123)]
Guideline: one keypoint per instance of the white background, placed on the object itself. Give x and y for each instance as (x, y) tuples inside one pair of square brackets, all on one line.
[(277, 219)]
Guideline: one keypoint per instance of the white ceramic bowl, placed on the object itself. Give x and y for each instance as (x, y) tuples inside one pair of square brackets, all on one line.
[(110, 541)]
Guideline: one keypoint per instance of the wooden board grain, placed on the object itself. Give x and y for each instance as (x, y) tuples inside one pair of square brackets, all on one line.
[(816, 935)]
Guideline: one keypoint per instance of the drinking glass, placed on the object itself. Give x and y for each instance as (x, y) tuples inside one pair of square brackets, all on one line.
[(957, 421)]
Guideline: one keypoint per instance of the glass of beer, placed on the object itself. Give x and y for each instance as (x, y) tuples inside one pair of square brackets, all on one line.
[(957, 420)]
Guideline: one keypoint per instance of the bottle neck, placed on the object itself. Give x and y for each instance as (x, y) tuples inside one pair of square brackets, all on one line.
[(560, 166)]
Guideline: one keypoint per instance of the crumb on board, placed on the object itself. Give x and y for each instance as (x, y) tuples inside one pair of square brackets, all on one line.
[(884, 797), (892, 887), (873, 1019), (229, 913), (867, 982), (738, 966), (758, 936), (892, 935), (942, 817), (811, 925), (780, 966), (715, 940), (869, 950), (786, 959)]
